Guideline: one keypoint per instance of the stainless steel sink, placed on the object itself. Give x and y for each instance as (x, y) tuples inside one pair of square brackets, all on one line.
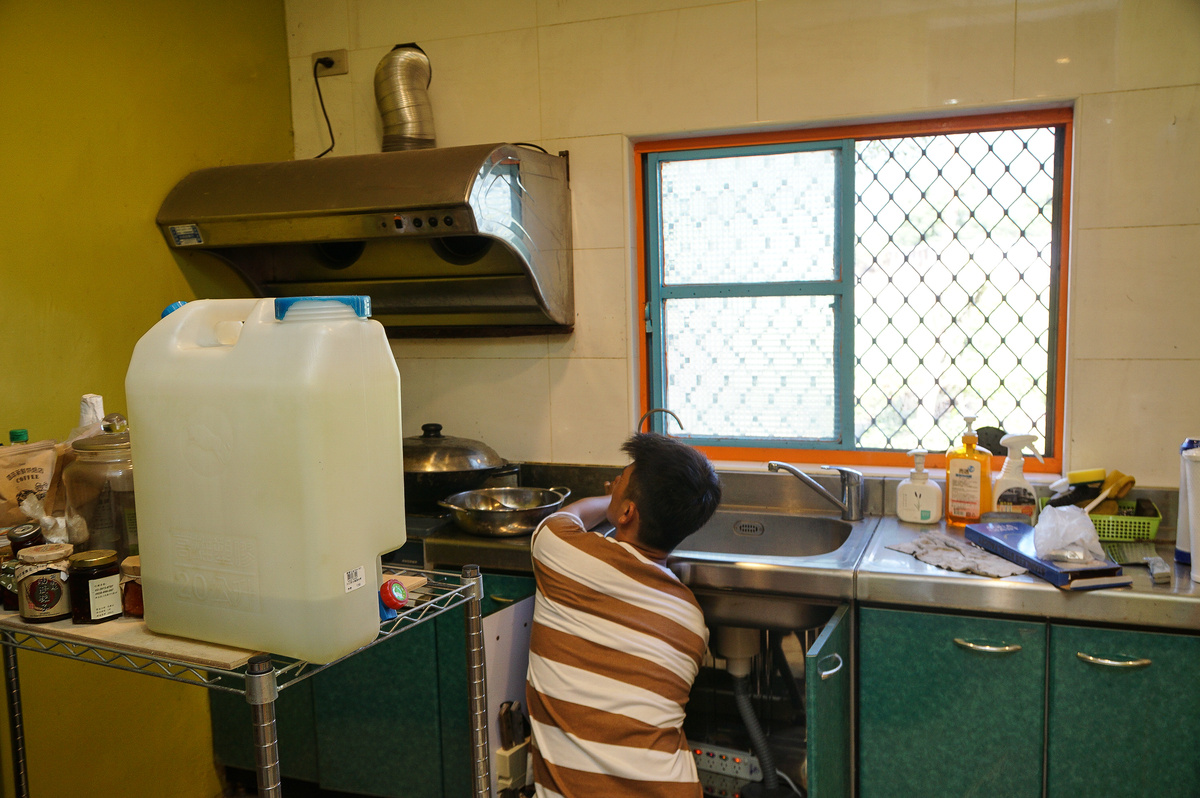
[(770, 569), (758, 533)]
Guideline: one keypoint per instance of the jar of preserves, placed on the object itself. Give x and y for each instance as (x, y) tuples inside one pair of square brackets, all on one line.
[(99, 484), (95, 586), (24, 536), (8, 585), (41, 578), (131, 581)]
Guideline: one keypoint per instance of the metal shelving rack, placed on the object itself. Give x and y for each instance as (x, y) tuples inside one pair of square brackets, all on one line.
[(261, 679)]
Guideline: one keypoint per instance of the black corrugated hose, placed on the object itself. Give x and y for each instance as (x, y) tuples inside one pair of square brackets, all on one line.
[(758, 739)]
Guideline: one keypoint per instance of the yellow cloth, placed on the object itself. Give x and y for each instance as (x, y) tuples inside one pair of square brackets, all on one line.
[(1118, 483)]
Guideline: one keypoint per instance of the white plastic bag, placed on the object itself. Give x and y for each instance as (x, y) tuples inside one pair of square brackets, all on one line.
[(1067, 534), (54, 528)]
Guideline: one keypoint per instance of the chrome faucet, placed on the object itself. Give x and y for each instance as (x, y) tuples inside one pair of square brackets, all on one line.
[(853, 488), (654, 410)]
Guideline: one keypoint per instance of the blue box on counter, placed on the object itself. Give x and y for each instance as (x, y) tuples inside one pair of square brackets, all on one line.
[(1014, 542)]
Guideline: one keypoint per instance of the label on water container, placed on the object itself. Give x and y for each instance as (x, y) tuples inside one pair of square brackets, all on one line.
[(356, 578)]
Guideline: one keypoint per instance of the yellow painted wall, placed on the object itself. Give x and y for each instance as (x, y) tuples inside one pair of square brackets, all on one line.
[(104, 107)]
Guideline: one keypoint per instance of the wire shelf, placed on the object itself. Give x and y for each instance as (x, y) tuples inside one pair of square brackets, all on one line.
[(441, 592)]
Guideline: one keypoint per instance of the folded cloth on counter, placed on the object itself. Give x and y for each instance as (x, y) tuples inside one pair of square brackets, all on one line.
[(956, 554)]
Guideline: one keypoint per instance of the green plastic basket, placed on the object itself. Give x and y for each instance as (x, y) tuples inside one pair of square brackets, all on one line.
[(1125, 527)]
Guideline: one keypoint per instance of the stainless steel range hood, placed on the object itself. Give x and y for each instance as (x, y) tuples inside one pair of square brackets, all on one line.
[(452, 241)]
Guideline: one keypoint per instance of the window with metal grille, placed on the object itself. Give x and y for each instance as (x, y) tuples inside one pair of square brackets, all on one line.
[(860, 293)]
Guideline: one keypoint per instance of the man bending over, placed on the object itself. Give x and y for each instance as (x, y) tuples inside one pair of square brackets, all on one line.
[(617, 639)]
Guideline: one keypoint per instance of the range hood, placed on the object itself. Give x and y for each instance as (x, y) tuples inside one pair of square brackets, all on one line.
[(448, 241)]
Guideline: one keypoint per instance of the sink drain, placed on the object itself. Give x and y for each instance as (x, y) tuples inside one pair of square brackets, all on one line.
[(749, 527)]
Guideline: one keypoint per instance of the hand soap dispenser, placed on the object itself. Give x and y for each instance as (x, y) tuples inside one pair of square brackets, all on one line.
[(1012, 492), (968, 479), (918, 500)]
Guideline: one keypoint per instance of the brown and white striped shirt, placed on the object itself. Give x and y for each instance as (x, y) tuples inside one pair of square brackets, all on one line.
[(616, 643)]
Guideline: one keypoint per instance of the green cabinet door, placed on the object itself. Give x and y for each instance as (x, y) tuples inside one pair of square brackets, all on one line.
[(376, 719), (1124, 714), (827, 691), (950, 705)]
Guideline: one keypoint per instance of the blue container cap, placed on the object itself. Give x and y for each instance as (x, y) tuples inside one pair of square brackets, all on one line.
[(360, 304), (1189, 443), (171, 308)]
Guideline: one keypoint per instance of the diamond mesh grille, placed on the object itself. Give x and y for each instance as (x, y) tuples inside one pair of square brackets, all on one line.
[(953, 263)]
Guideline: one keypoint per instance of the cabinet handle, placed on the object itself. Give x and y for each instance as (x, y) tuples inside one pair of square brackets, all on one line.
[(1009, 649), (1114, 663), (827, 674), (502, 599)]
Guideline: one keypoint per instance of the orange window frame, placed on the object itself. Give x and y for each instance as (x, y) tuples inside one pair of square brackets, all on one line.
[(979, 123)]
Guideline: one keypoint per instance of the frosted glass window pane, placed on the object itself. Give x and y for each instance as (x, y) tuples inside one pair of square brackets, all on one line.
[(758, 367), (749, 219)]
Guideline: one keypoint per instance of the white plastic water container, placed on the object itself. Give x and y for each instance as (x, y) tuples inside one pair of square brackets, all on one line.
[(1191, 469), (270, 472), (1183, 529)]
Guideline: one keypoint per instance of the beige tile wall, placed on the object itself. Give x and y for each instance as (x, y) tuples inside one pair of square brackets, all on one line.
[(592, 75)]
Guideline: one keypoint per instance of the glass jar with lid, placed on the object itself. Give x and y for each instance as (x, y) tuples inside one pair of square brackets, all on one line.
[(24, 536), (100, 505), (41, 578), (131, 587), (8, 585), (95, 582)]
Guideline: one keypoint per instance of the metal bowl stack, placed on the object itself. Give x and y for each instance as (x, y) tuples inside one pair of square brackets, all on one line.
[(504, 512)]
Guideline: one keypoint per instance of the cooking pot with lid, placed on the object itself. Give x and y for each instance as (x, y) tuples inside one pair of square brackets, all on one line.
[(437, 466)]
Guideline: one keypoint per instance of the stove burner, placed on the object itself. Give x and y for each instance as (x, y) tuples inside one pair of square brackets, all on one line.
[(422, 525)]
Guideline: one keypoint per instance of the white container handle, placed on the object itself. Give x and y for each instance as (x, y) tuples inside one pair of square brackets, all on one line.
[(205, 323)]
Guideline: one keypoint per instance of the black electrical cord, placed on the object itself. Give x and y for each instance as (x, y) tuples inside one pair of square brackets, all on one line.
[(531, 146), (327, 63)]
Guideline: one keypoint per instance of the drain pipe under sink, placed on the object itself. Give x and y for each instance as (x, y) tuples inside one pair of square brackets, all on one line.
[(738, 646)]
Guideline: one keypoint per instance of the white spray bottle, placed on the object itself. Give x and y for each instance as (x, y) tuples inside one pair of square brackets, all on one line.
[(1012, 493), (918, 500)]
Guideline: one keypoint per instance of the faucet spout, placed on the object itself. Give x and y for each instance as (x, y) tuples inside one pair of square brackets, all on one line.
[(851, 503), (654, 410)]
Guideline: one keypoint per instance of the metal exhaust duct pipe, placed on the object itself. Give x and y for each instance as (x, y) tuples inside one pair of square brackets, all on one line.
[(402, 95)]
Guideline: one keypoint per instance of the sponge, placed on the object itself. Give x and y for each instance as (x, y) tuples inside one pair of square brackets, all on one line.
[(1083, 487), (1087, 475)]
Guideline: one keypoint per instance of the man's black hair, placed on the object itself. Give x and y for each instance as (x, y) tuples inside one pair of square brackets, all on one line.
[(675, 487)]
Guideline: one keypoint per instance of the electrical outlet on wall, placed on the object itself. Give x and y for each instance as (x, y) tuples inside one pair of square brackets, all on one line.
[(341, 62)]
